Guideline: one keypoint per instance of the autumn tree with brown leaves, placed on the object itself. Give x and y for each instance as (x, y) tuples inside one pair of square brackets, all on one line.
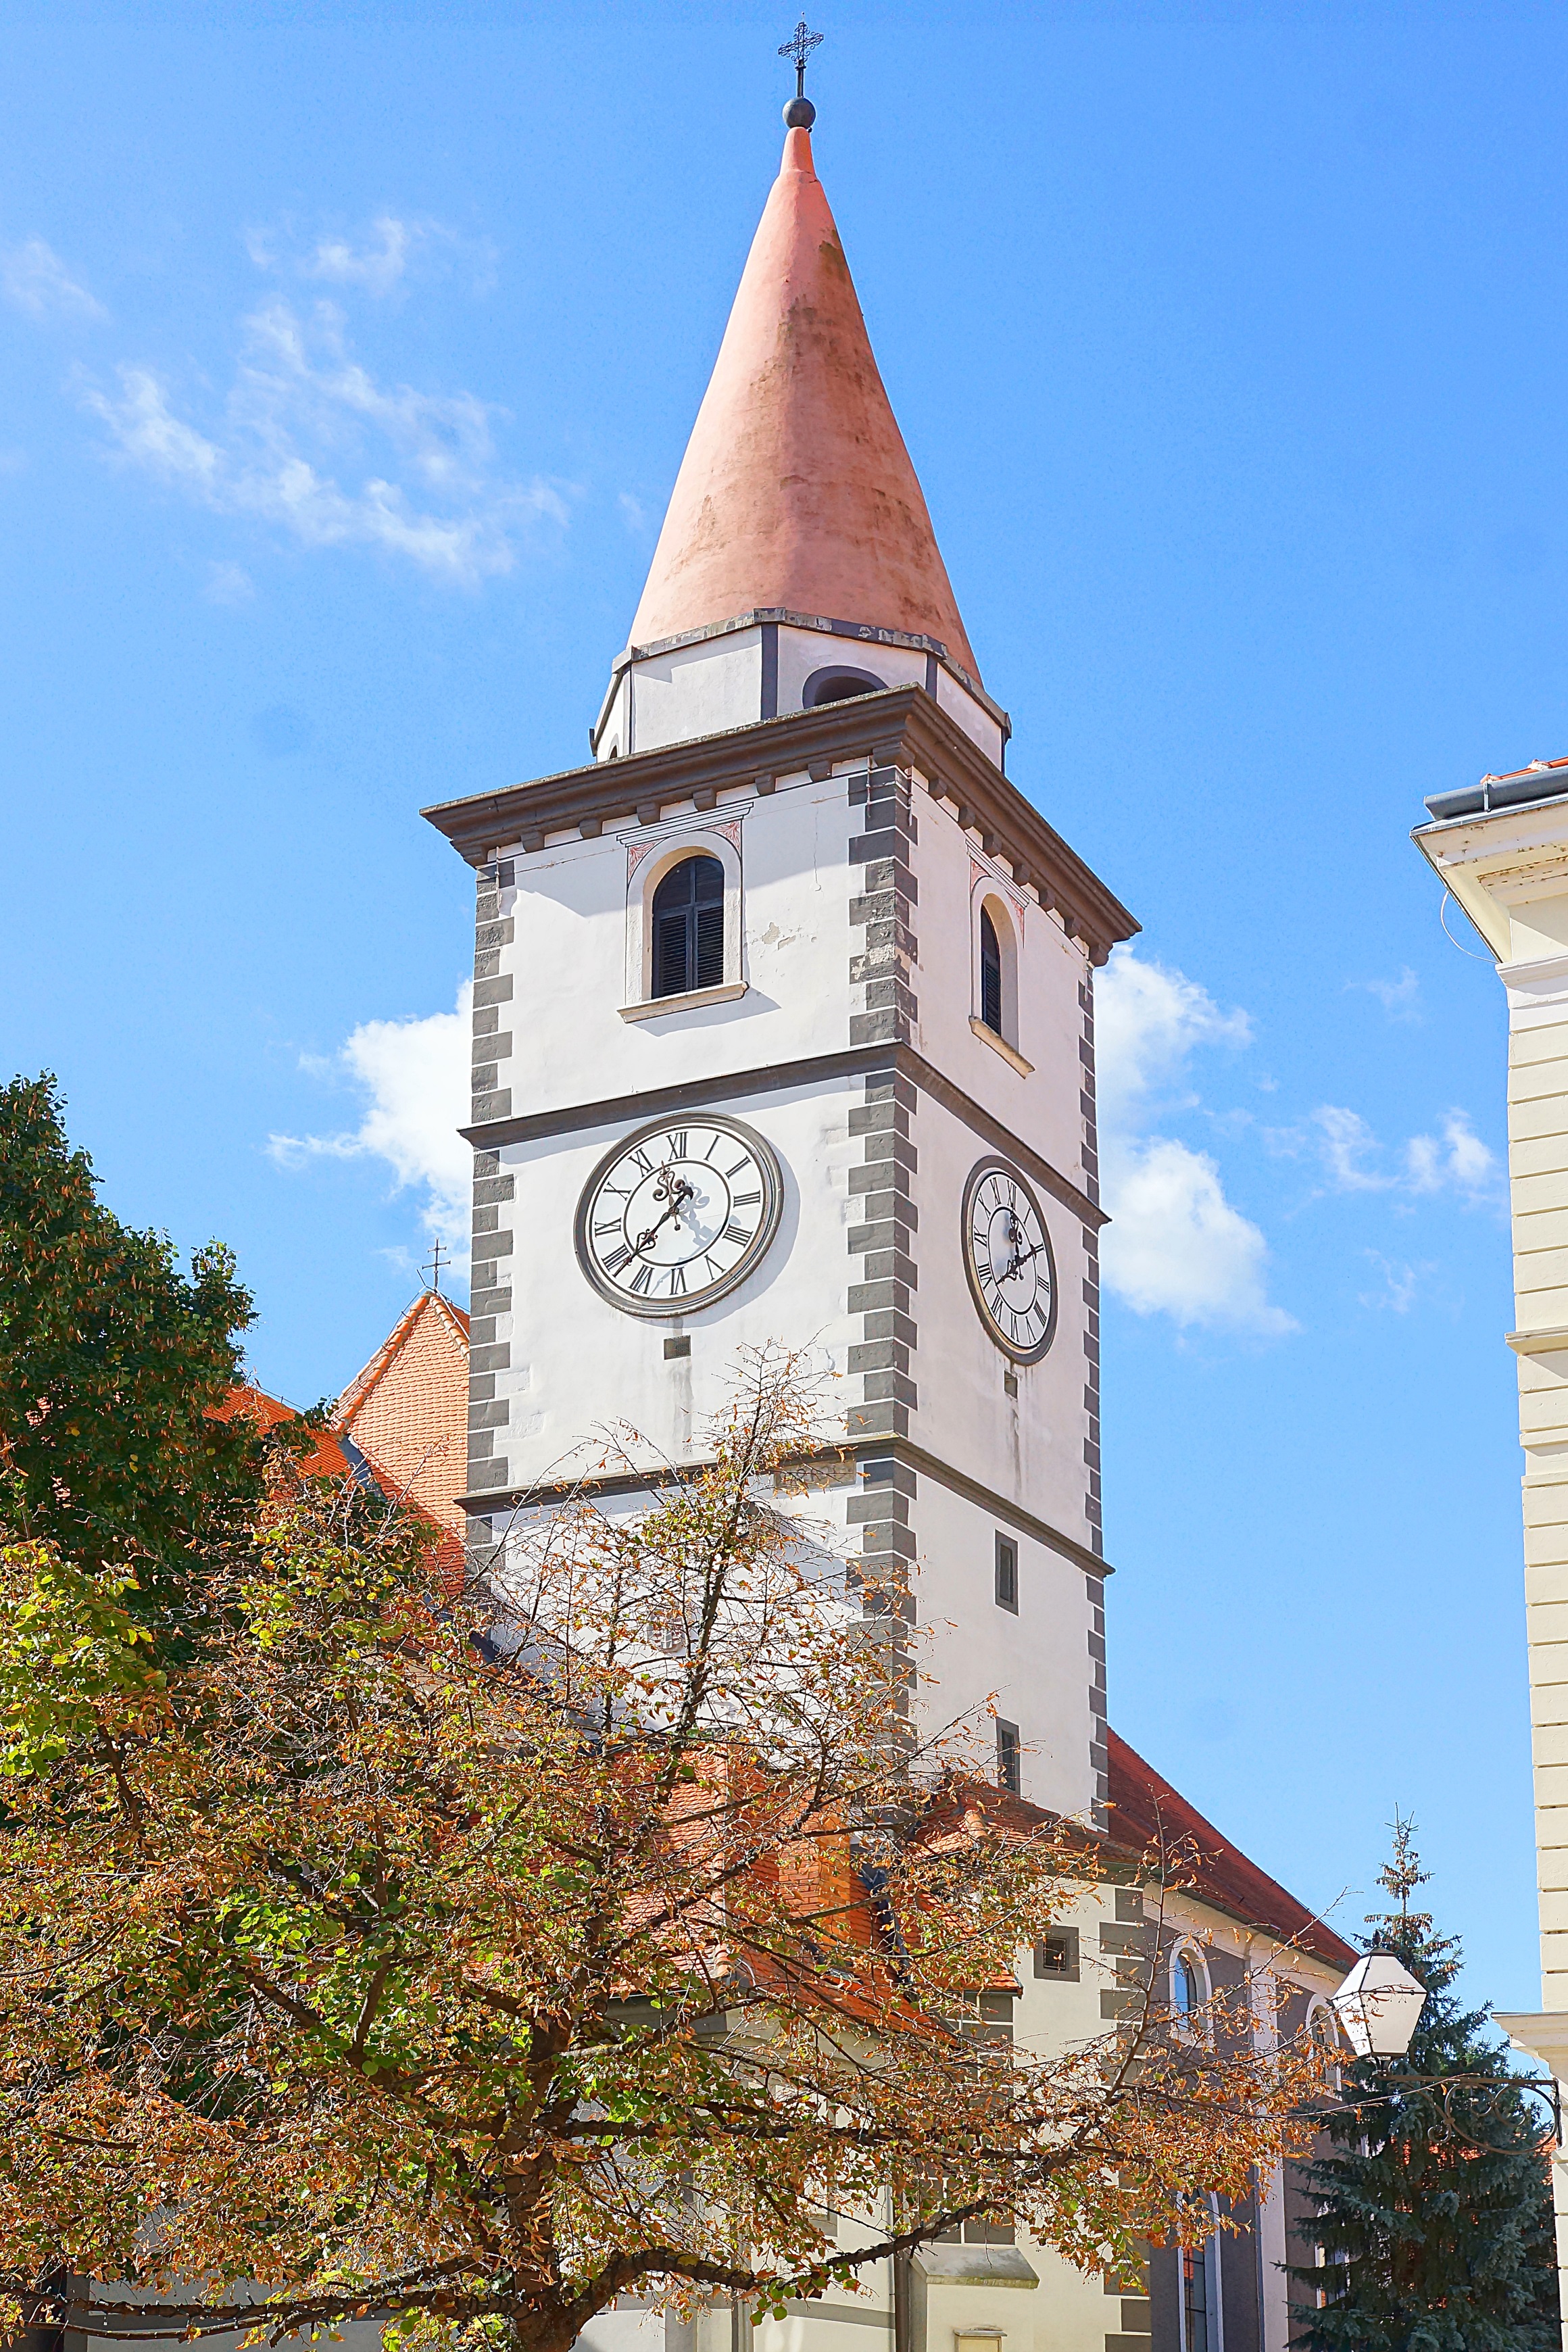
[(469, 1963)]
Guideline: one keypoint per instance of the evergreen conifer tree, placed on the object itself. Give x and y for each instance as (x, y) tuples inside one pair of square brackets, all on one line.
[(114, 1369), (1434, 2228)]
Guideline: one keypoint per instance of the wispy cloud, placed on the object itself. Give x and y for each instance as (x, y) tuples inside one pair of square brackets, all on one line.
[(228, 583), (1399, 999), (413, 1078), (1175, 1244), (1456, 1160), (36, 280), (1399, 1285), (309, 441), (378, 261), (1355, 1160)]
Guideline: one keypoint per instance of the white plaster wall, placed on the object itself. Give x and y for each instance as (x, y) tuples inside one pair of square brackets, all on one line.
[(1044, 1108), (697, 689), (1036, 1665), (568, 959), (611, 743), (580, 1363), (973, 717), (1028, 1447), (700, 689), (801, 651)]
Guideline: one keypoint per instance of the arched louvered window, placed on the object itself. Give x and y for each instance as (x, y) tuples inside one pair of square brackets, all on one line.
[(689, 928), (990, 974)]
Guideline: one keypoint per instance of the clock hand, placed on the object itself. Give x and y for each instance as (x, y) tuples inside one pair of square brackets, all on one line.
[(681, 1191)]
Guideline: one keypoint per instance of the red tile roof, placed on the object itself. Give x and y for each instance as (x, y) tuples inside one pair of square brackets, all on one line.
[(407, 1411), (1145, 1811), (325, 1459)]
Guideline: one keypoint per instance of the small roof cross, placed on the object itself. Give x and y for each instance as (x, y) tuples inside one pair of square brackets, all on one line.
[(440, 1256), (798, 48)]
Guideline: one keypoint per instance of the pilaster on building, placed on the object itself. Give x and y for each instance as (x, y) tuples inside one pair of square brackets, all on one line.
[(1500, 849)]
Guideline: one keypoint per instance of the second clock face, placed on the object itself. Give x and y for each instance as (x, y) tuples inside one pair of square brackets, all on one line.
[(1007, 1257), (677, 1213)]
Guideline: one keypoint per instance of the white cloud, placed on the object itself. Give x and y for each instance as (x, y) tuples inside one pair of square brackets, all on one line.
[(377, 266), (1455, 1159), (1401, 1283), (1348, 1144), (1147, 1020), (379, 260), (413, 1074), (228, 583), (1399, 999), (36, 280), (303, 411), (1458, 1158), (1175, 1245)]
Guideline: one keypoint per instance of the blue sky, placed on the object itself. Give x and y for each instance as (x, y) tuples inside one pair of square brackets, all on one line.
[(348, 358)]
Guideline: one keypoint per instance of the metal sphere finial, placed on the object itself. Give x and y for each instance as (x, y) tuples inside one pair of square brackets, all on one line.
[(799, 114)]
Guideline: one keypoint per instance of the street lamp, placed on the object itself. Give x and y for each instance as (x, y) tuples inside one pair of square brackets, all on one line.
[(1378, 2005)]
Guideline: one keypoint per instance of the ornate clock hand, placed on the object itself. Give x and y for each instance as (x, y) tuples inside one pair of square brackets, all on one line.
[(681, 1191)]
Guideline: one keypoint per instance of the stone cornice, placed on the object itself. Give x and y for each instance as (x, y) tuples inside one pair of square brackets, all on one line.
[(650, 1477), (901, 726), (811, 1069)]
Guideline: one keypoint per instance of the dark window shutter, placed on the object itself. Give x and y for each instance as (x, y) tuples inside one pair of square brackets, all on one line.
[(669, 955), (689, 928), (990, 974), (709, 946)]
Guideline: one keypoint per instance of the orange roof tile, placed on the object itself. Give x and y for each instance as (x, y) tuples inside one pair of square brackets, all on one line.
[(325, 1458), (407, 1410)]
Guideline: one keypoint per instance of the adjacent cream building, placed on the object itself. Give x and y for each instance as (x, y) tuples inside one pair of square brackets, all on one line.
[(1500, 849)]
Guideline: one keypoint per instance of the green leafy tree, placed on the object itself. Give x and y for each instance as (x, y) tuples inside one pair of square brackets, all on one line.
[(1434, 2228), (112, 1364)]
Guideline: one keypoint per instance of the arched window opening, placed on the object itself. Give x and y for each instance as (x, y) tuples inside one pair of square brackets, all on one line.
[(990, 974), (837, 684), (689, 928), (1186, 1990)]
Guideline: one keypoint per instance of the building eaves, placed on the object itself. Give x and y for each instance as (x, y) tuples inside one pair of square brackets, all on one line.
[(899, 727)]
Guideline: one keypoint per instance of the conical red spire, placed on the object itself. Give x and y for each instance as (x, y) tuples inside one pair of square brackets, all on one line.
[(797, 489)]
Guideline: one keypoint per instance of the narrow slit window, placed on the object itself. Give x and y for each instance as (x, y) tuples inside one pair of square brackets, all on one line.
[(1009, 1773), (689, 928), (1007, 1574), (990, 974)]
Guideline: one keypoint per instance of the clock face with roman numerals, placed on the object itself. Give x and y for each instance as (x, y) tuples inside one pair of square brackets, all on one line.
[(1007, 1257), (677, 1213)]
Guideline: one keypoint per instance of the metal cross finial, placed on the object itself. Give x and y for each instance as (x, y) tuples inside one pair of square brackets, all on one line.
[(440, 1256), (798, 47)]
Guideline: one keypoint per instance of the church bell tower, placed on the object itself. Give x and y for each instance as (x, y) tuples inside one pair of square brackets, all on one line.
[(783, 1031)]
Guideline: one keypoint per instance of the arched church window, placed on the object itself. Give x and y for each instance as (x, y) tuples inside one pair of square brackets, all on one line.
[(837, 684), (689, 928), (1186, 1985), (990, 974)]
